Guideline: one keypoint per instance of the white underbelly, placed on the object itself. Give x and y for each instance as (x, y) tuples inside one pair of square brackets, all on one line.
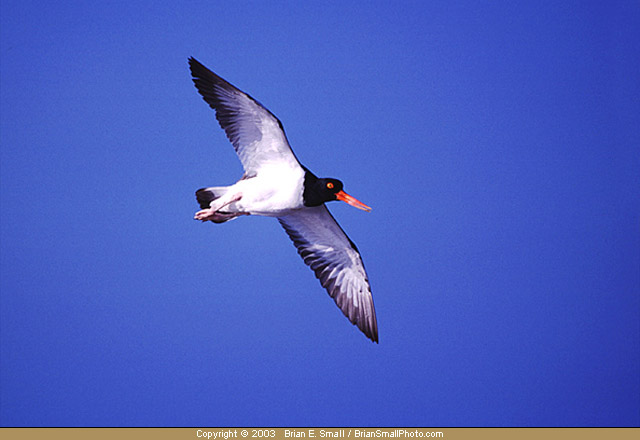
[(274, 192)]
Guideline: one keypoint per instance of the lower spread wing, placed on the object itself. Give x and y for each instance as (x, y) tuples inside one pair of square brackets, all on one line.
[(256, 134), (334, 258)]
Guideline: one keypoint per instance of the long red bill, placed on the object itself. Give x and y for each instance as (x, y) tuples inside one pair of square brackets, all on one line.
[(344, 197)]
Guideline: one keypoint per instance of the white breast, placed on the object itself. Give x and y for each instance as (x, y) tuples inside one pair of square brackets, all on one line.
[(275, 191)]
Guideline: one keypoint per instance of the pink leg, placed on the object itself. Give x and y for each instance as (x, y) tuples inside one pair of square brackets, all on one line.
[(216, 205)]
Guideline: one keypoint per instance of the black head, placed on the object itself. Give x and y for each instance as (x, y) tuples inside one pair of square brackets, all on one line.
[(318, 191)]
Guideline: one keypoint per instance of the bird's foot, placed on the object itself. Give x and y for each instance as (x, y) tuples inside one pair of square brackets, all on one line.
[(213, 213), (217, 216), (205, 214)]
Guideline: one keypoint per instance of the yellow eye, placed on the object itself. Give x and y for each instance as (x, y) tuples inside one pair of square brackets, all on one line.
[(330, 185)]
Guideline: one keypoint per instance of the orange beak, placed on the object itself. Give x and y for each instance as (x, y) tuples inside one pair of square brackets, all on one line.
[(344, 197)]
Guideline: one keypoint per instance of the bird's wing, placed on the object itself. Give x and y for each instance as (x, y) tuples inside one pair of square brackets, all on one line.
[(334, 258), (256, 134)]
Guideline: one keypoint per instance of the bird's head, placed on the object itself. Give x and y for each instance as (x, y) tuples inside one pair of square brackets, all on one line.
[(327, 190)]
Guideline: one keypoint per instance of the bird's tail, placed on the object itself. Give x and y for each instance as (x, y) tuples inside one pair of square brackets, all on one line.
[(207, 195)]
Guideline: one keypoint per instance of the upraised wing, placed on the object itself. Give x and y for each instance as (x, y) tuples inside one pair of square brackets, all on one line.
[(256, 134), (334, 258)]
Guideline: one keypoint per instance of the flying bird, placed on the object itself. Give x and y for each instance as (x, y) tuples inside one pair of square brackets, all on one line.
[(276, 184)]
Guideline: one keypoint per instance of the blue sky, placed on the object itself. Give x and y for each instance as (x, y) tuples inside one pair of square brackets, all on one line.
[(497, 143)]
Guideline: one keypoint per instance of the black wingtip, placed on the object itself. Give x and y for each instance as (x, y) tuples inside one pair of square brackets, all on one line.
[(197, 68), (373, 335), (368, 326)]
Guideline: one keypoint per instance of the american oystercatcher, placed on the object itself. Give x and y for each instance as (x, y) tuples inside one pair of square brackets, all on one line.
[(275, 184)]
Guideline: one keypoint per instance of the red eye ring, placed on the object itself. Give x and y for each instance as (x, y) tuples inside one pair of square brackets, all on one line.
[(329, 185)]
